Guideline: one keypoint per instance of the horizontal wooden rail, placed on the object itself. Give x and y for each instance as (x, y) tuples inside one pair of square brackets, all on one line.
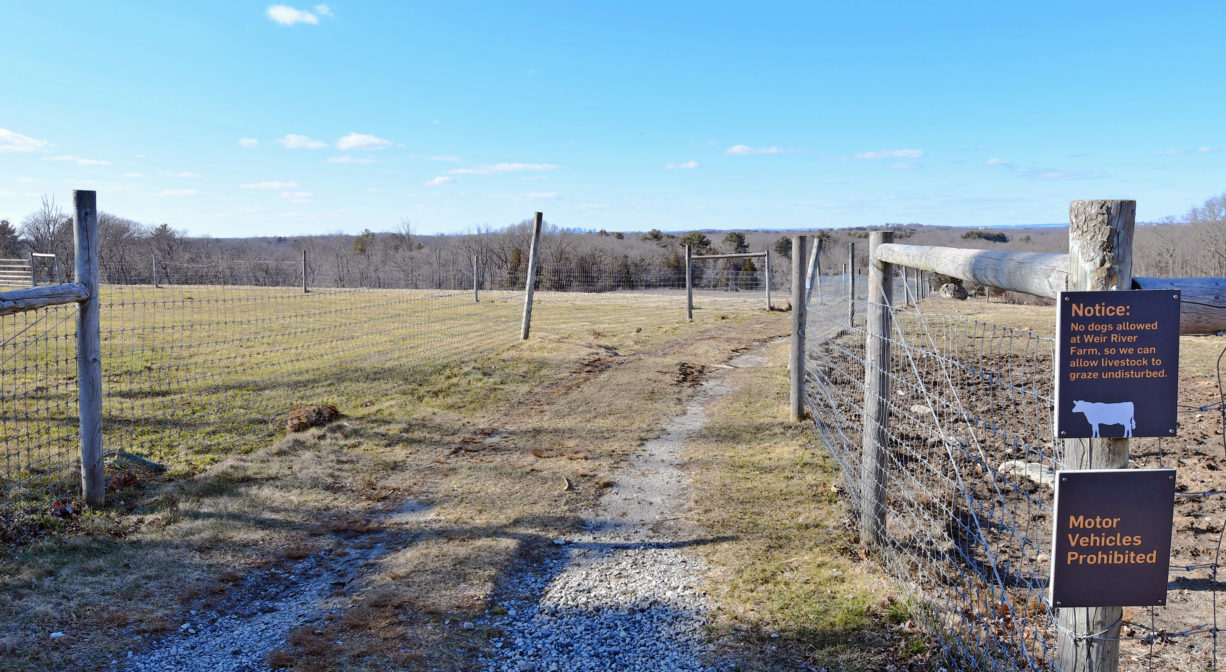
[(729, 256), (21, 300), (1202, 311)]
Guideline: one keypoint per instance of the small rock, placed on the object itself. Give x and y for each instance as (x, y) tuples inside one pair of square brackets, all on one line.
[(56, 635), (467, 625), (559, 542)]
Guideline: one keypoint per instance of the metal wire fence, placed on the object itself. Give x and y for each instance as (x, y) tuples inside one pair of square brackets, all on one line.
[(212, 358), (971, 461)]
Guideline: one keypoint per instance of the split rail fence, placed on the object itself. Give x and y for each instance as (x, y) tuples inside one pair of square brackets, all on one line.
[(942, 426)]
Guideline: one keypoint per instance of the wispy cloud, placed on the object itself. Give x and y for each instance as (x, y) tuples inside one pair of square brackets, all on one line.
[(906, 165), (360, 141), (270, 185), (16, 142), (1046, 174), (1177, 152), (323, 10), (688, 165), (184, 174), (179, 192), (348, 159), (997, 162), (248, 143), (296, 195), (295, 141), (439, 181), (447, 158), (288, 16), (504, 168), (746, 150), (132, 175), (890, 154), (78, 160)]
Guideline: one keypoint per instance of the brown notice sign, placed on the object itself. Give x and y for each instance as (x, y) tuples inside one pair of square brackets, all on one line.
[(1111, 542), (1117, 364)]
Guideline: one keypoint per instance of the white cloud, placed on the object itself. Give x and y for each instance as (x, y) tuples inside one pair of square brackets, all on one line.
[(248, 142), (504, 168), (891, 154), (543, 195), (1205, 150), (185, 174), (360, 141), (997, 162), (4, 193), (688, 165), (179, 192), (349, 159), (323, 10), (78, 160), (906, 165), (16, 142), (132, 175), (288, 16), (296, 194), (447, 158), (440, 180), (746, 150), (295, 141), (1168, 152), (269, 185)]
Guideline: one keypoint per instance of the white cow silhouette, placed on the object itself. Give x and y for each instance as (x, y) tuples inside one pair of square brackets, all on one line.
[(1102, 413)]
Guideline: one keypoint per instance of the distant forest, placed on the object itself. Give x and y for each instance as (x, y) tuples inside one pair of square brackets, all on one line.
[(132, 252)]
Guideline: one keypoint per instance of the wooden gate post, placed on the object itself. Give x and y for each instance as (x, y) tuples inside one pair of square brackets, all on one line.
[(1099, 258), (876, 392), (689, 284), (796, 360), (767, 256), (851, 285), (531, 286), (89, 347)]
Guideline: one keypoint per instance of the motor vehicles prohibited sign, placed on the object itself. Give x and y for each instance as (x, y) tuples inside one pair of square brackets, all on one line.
[(1117, 364)]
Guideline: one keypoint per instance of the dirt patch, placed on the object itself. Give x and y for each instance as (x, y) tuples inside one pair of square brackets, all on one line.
[(690, 374)]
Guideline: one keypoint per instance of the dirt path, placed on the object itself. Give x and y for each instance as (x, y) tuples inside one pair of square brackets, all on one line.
[(626, 593)]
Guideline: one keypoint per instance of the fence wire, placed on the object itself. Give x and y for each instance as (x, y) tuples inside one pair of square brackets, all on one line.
[(212, 359), (971, 462)]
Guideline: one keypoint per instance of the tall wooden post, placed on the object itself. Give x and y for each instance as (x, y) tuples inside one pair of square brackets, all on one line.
[(89, 347), (796, 360), (767, 256), (476, 295), (155, 271), (1099, 258), (851, 285), (815, 271), (305, 290), (33, 272), (876, 392), (531, 286), (689, 284)]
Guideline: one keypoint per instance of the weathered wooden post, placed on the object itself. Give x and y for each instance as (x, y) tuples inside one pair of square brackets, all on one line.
[(796, 360), (689, 284), (155, 270), (304, 273), (1099, 259), (476, 295), (851, 285), (767, 255), (531, 286), (89, 347), (876, 392), (815, 271), (33, 272)]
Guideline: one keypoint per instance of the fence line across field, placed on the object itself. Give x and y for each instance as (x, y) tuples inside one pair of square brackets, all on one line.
[(943, 429)]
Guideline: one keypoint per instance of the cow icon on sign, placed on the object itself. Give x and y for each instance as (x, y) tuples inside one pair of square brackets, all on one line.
[(1101, 413)]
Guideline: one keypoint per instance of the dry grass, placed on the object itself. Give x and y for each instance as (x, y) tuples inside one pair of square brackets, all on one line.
[(460, 441), (790, 585)]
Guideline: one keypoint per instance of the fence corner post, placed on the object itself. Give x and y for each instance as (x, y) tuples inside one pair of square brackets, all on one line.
[(1099, 259), (876, 392), (796, 359), (531, 284), (851, 285), (767, 257), (689, 283), (89, 347)]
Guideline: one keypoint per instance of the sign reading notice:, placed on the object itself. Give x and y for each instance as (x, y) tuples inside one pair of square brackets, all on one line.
[(1117, 359), (1111, 544)]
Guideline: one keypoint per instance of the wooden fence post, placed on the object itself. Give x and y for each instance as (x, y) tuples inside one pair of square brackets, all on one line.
[(876, 392), (1099, 258), (89, 348), (796, 360), (851, 285), (767, 256), (531, 286), (155, 271), (689, 284), (33, 272), (476, 295), (305, 290)]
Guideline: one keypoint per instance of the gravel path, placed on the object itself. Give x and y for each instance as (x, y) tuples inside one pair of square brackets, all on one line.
[(626, 594)]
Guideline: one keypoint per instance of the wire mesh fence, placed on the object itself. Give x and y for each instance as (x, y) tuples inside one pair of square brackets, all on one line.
[(202, 360), (970, 463)]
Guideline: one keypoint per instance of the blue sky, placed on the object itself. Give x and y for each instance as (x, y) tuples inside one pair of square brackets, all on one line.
[(241, 118)]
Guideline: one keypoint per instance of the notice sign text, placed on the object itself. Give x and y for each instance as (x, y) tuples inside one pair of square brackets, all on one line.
[(1117, 368), (1112, 537)]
